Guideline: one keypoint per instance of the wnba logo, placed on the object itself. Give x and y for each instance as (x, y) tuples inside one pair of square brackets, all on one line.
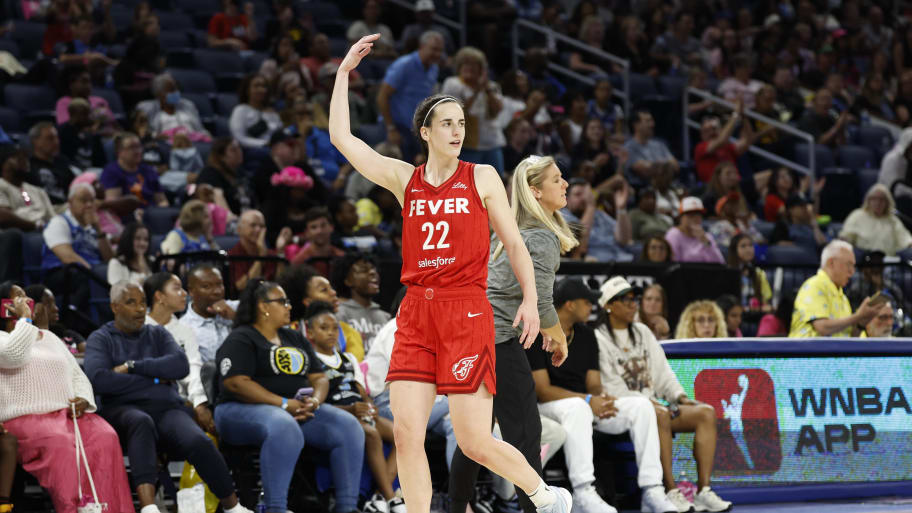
[(462, 367)]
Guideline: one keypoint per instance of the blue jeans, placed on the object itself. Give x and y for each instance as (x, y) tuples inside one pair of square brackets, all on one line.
[(492, 157), (438, 422), (281, 439)]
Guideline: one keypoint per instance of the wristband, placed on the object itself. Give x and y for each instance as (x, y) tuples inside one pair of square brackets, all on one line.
[(588, 398), (26, 319), (285, 403), (156, 381)]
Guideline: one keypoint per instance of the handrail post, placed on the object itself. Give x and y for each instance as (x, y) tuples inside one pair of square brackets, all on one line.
[(514, 34), (626, 76), (685, 116), (812, 163), (463, 19)]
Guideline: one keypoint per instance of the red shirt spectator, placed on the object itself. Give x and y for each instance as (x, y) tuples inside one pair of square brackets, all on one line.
[(706, 162), (715, 146), (231, 28)]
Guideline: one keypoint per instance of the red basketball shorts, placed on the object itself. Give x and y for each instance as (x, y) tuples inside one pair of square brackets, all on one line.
[(445, 337)]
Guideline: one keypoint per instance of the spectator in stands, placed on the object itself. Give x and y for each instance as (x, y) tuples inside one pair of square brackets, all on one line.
[(295, 192), (357, 280), (733, 219), (644, 150), (379, 213), (787, 93), (370, 24), (320, 55), (329, 164), (128, 176), (408, 80), (49, 169), (520, 135), (880, 326), (874, 33), (346, 233), (798, 227), (657, 250), (193, 231), (80, 141), (231, 29), (305, 285), (84, 47), (634, 46), (688, 240), (222, 172), (167, 297), (571, 128), (111, 213), (873, 282), (902, 51), (152, 151), (678, 48), (75, 82), (740, 86), (653, 311), (602, 238), (820, 122), (715, 147), (48, 318), (251, 232), (821, 307), (572, 394), (873, 100), (733, 312), (667, 201), (209, 315), (484, 139), (260, 404), (776, 323), (131, 262), (74, 237), (644, 220), (902, 104), (782, 185), (701, 319), (874, 226), (170, 114), (593, 146), (22, 205), (893, 171), (424, 22), (253, 119), (766, 136), (41, 388), (632, 363), (317, 250), (143, 59), (603, 107), (591, 33), (756, 293), (132, 367)]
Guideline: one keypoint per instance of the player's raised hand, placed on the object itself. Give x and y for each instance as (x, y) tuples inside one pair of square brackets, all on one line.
[(357, 52), (528, 315)]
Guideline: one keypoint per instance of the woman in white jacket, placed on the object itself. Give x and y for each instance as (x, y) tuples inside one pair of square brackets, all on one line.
[(40, 383), (632, 362)]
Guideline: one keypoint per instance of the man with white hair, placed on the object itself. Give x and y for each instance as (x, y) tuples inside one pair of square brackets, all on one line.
[(821, 307)]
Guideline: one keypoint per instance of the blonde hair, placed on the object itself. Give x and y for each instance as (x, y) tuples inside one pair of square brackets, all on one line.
[(528, 211), (686, 326), (193, 216), (467, 55)]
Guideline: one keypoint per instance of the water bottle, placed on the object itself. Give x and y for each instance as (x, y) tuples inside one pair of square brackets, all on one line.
[(687, 488), (261, 504)]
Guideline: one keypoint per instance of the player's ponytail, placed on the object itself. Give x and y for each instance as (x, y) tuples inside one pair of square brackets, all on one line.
[(528, 211)]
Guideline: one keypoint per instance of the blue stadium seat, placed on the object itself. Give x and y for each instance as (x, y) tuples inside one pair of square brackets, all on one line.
[(113, 99), (225, 103), (823, 156), (155, 241), (193, 81), (24, 98), (220, 127), (253, 61), (322, 10), (672, 87), (32, 244), (642, 85), (855, 157), (175, 20), (338, 46), (203, 104), (374, 69), (226, 242), (30, 37), (840, 195), (225, 65), (200, 7), (160, 220), (203, 148), (173, 39), (866, 179), (875, 138), (9, 120), (372, 134), (765, 228), (99, 296), (793, 255), (10, 46)]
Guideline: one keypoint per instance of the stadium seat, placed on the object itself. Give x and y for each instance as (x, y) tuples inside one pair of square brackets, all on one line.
[(641, 85), (226, 66), (99, 296), (322, 10), (160, 220), (9, 120), (338, 45), (840, 195), (253, 61), (790, 255), (175, 20), (226, 242), (27, 97), (173, 39), (672, 87), (193, 81), (866, 179), (823, 156), (113, 99), (225, 103), (372, 134), (220, 127), (200, 7), (855, 157), (765, 228), (203, 104), (875, 138), (8, 45), (29, 36)]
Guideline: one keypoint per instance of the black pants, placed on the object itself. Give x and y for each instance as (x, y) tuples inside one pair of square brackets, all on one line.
[(11, 249), (144, 432), (516, 410)]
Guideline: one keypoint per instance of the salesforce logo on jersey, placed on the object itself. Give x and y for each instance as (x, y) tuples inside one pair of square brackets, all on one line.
[(435, 262), (803, 420)]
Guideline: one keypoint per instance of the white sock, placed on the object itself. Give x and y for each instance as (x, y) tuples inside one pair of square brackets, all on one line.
[(541, 496), (151, 508), (237, 508)]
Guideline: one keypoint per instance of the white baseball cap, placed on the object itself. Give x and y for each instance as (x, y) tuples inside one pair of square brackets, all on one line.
[(614, 288), (424, 5), (691, 204)]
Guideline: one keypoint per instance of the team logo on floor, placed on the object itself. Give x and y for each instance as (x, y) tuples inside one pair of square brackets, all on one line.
[(462, 367)]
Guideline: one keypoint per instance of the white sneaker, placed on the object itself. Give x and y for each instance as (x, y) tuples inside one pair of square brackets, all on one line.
[(562, 504), (397, 505), (707, 500), (677, 498), (654, 501), (587, 500), (376, 504)]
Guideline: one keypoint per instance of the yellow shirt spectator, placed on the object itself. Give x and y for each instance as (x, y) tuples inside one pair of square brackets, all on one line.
[(819, 298)]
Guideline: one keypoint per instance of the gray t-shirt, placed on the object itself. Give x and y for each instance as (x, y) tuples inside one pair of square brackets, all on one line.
[(504, 291), (367, 321)]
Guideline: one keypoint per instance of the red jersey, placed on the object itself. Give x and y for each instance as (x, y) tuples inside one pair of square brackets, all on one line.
[(445, 235)]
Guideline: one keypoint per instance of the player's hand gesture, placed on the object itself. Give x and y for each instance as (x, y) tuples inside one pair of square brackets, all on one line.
[(528, 316), (357, 52)]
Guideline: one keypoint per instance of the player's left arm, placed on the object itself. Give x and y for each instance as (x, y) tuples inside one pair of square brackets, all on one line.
[(494, 197)]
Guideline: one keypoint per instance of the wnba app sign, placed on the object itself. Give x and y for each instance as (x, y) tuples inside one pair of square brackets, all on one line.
[(746, 413)]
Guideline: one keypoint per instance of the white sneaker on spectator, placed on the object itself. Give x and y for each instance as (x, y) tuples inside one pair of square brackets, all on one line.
[(677, 498), (397, 505), (238, 508), (376, 504), (707, 500), (587, 500), (654, 501), (562, 503)]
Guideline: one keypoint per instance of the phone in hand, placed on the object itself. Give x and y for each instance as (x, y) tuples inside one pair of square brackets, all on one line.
[(6, 302), (304, 392)]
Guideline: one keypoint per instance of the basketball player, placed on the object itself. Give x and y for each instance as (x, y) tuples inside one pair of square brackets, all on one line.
[(445, 337)]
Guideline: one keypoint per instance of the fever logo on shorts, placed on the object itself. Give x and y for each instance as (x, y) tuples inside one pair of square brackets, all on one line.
[(462, 367), (745, 404), (288, 360)]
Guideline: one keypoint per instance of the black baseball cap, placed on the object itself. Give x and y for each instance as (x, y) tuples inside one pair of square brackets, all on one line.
[(573, 288)]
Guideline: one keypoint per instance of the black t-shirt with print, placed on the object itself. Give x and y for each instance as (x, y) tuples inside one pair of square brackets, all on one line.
[(582, 358), (280, 369)]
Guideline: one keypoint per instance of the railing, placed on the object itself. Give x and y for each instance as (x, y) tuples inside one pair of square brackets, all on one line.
[(459, 26), (579, 45), (778, 159)]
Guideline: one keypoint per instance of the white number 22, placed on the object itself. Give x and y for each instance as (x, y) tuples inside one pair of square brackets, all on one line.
[(442, 226)]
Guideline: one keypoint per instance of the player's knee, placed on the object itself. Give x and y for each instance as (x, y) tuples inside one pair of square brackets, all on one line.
[(476, 445), (408, 435)]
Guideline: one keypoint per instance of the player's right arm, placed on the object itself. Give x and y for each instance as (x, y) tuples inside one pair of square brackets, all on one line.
[(386, 172)]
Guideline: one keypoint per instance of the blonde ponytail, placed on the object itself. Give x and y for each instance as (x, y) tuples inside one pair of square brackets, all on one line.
[(528, 211)]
